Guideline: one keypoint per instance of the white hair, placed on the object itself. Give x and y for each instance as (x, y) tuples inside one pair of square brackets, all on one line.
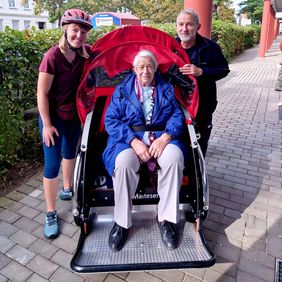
[(145, 53), (191, 12)]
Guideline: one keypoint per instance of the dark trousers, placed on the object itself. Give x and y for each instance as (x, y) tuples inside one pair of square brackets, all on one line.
[(204, 127)]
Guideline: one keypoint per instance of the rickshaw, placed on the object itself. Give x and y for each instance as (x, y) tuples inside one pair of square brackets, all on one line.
[(93, 199)]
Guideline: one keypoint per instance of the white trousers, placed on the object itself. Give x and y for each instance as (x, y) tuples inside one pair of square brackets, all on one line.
[(126, 178)]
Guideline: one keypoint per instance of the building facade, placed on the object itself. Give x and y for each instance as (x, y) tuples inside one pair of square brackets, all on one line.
[(17, 16)]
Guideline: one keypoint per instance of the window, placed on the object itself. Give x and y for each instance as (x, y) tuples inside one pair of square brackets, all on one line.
[(26, 24), (15, 24), (26, 5), (41, 25), (12, 4)]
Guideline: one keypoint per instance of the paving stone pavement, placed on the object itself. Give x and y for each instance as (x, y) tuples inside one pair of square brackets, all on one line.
[(244, 225)]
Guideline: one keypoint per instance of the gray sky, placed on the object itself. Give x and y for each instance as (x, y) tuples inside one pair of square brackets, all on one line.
[(235, 4)]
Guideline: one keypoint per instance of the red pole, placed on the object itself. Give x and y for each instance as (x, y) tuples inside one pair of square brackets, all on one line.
[(276, 28), (271, 28), (204, 10), (264, 28), (269, 34)]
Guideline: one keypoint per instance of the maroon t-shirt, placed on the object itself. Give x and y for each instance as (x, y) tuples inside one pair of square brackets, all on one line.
[(66, 78)]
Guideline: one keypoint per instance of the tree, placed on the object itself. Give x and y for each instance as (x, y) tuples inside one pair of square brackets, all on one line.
[(253, 8), (226, 3), (85, 5), (223, 10), (157, 11), (55, 8)]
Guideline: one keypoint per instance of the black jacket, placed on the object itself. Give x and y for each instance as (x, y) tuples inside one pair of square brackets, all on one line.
[(211, 60)]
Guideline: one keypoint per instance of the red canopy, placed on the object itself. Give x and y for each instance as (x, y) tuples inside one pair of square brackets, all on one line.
[(115, 52)]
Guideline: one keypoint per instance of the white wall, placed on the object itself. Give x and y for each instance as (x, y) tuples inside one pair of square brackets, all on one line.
[(20, 17)]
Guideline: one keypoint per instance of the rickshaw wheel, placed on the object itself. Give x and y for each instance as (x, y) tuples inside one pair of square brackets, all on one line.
[(204, 215), (88, 224), (77, 220), (87, 227), (189, 216)]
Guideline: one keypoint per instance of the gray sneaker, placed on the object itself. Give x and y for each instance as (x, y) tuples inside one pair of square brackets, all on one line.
[(51, 228), (66, 194)]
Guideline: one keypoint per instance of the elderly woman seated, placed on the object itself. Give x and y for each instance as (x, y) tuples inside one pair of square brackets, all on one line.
[(144, 123)]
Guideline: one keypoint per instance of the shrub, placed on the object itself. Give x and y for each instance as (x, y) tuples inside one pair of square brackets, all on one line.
[(224, 33), (20, 54), (10, 137)]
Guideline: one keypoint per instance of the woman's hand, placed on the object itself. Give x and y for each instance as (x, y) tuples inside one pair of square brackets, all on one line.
[(158, 145), (48, 135), (140, 149)]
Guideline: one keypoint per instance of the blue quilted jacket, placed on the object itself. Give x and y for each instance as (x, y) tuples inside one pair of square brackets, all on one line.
[(125, 111)]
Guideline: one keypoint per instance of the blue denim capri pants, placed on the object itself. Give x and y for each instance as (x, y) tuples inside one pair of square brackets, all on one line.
[(65, 145)]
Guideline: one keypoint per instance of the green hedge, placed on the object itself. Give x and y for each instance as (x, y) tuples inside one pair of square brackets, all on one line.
[(224, 33), (20, 55), (233, 39)]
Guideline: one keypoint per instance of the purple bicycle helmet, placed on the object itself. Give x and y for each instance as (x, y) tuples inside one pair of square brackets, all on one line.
[(76, 16)]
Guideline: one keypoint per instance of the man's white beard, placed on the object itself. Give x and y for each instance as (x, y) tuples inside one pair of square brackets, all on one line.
[(187, 38)]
